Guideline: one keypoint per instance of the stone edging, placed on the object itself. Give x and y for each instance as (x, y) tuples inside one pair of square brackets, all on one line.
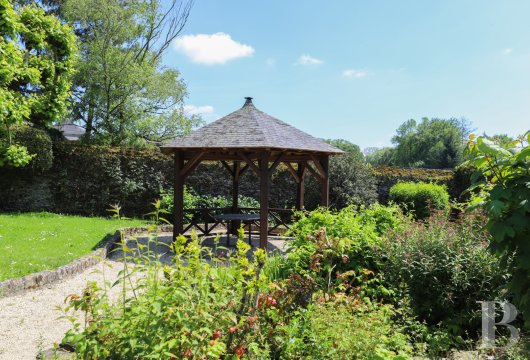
[(33, 281)]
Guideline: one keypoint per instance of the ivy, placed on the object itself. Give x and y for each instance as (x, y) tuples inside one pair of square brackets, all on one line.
[(502, 189)]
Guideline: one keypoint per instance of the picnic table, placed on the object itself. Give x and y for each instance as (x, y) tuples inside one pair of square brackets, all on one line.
[(244, 218)]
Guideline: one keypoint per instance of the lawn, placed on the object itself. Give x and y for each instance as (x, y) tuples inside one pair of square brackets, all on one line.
[(33, 242)]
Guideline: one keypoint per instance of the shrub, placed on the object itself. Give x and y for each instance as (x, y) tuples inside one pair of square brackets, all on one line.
[(388, 176), (338, 249), (444, 268), (37, 142), (197, 309), (351, 182), (210, 307), (503, 179), (333, 329), (420, 197)]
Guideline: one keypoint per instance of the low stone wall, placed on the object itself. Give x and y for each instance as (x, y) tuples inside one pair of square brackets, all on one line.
[(33, 281)]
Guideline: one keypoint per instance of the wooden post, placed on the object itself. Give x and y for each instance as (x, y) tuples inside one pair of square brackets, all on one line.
[(324, 161), (178, 197), (235, 186), (235, 195), (300, 186), (264, 199)]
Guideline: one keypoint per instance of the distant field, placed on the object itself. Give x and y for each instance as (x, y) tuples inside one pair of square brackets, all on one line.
[(33, 242)]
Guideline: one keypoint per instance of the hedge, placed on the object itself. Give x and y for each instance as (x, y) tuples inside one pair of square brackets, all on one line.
[(419, 197), (86, 180), (456, 180)]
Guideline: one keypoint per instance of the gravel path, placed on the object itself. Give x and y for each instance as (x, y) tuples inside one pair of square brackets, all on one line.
[(29, 321)]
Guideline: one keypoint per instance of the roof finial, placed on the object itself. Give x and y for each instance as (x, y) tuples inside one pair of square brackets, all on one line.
[(248, 101)]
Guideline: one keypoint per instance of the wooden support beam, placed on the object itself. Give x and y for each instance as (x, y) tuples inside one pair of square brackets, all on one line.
[(318, 165), (178, 197), (235, 196), (300, 186), (293, 172), (250, 162), (243, 169), (264, 199), (276, 162), (227, 167), (191, 165), (315, 173)]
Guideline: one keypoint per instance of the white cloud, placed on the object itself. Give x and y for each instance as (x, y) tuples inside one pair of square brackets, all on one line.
[(352, 73), (308, 60), (507, 51), (197, 110), (212, 49)]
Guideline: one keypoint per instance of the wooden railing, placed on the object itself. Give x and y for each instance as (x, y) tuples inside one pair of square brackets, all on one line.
[(204, 219)]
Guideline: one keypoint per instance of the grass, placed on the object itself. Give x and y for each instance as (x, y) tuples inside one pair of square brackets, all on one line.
[(33, 242)]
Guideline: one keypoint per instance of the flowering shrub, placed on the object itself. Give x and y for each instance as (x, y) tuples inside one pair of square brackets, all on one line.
[(444, 268), (338, 249)]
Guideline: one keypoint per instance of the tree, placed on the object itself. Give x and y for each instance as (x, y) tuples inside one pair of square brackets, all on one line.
[(37, 57), (383, 156), (346, 146), (123, 94), (351, 181), (432, 143), (500, 139)]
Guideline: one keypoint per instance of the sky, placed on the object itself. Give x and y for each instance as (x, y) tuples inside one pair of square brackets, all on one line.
[(356, 70)]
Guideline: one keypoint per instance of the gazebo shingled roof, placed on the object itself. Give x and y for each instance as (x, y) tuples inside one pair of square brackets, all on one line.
[(248, 128), (251, 139)]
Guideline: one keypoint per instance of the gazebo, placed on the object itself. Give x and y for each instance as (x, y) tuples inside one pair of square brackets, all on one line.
[(250, 139)]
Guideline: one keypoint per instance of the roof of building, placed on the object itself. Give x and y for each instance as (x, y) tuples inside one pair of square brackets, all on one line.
[(250, 128), (70, 131)]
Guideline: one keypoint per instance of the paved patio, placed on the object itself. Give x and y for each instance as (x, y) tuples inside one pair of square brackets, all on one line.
[(161, 247)]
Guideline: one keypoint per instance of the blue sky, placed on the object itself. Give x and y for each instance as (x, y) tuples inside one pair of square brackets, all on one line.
[(358, 69)]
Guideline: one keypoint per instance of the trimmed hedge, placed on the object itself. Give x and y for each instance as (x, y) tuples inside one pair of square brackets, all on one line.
[(85, 180), (388, 176), (419, 198)]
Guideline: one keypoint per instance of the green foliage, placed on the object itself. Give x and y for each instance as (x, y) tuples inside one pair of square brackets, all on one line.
[(346, 146), (351, 182), (194, 201), (443, 267), (39, 143), (420, 198), (37, 55), (209, 306), (338, 248), (124, 95), (432, 143), (14, 155), (502, 189), (329, 330), (384, 156), (388, 176)]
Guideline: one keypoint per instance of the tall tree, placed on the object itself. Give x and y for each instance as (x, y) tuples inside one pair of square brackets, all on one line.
[(432, 143), (346, 146), (37, 56), (123, 94)]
